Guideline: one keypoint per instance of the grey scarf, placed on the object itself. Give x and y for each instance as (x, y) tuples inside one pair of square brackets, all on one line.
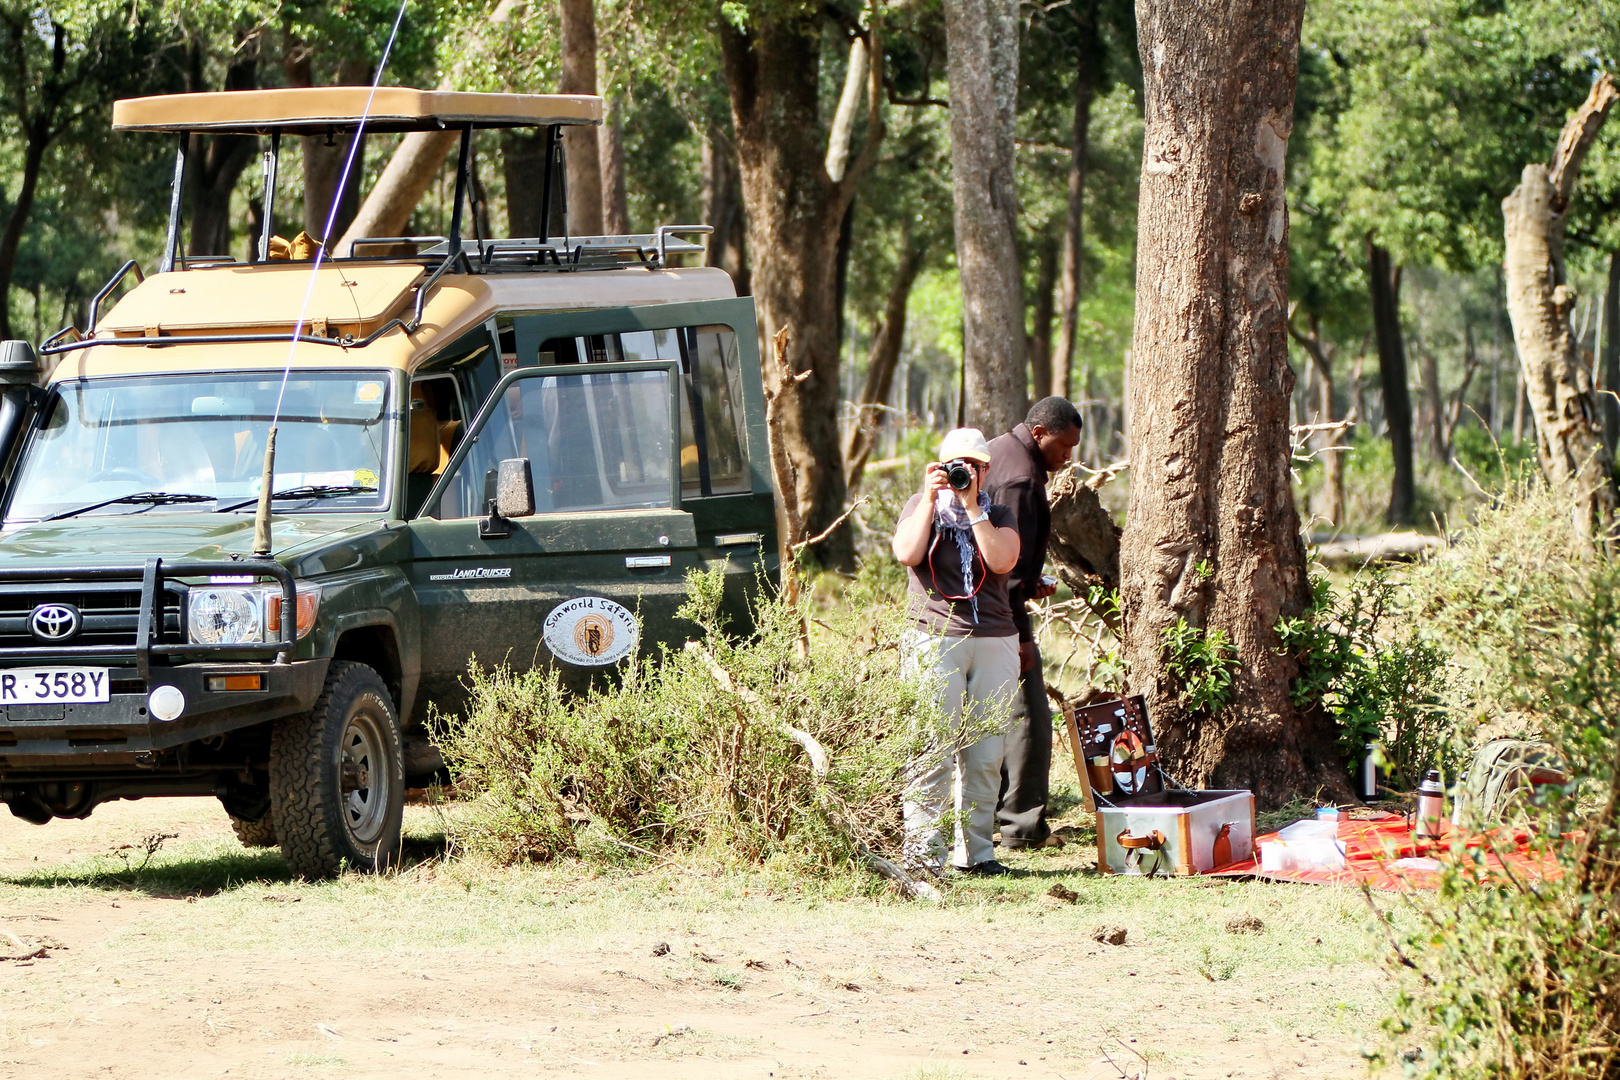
[(951, 518)]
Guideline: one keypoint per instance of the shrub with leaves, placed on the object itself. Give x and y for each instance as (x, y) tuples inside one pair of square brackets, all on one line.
[(1521, 978), (1378, 679), (749, 747), (1202, 662)]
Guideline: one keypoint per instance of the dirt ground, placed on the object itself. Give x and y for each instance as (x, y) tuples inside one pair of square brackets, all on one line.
[(209, 961)]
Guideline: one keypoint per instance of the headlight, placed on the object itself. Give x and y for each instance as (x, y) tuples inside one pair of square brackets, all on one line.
[(239, 615), (222, 616)]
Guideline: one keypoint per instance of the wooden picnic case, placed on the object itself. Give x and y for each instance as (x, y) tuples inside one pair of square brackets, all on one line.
[(1147, 824)]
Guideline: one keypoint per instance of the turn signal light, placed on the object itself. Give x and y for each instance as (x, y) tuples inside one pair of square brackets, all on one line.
[(235, 682), (306, 603)]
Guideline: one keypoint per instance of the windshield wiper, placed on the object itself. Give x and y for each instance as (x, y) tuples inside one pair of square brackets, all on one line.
[(153, 498), (312, 491)]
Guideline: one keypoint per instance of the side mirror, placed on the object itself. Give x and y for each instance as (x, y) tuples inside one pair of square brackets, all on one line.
[(508, 493), (514, 488)]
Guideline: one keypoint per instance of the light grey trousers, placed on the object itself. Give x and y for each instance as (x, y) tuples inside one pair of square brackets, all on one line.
[(976, 678)]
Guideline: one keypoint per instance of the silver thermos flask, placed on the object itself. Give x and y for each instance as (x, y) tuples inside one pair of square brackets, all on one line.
[(1430, 806)]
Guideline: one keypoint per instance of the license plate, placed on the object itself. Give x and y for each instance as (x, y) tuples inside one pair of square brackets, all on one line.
[(30, 686)]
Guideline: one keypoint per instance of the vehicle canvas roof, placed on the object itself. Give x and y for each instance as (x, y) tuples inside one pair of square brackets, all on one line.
[(318, 109)]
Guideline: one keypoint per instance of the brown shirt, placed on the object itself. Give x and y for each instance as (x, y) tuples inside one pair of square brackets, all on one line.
[(940, 575)]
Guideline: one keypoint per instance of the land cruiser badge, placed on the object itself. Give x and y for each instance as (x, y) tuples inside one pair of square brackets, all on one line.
[(590, 631)]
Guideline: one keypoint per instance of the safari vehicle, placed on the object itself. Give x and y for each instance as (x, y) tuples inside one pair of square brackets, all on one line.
[(503, 449)]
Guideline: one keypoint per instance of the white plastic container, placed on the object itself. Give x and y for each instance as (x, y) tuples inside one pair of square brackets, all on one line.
[(1304, 845)]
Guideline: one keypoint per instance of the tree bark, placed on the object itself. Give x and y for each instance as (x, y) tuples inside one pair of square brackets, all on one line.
[(1040, 335), (1212, 535), (1610, 359), (982, 65), (615, 195), (1385, 282), (1088, 62), (794, 210), (581, 158), (881, 362), (325, 157), (214, 163), (723, 209), (1569, 436)]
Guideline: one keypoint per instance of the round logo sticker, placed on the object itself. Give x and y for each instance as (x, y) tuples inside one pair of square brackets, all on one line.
[(590, 631)]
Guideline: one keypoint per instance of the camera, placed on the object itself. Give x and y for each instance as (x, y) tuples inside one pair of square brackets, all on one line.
[(959, 474)]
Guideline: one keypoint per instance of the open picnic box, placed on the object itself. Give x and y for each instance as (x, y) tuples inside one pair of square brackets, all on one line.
[(1147, 824)]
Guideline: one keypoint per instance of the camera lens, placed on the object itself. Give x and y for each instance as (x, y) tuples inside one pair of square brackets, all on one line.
[(958, 475)]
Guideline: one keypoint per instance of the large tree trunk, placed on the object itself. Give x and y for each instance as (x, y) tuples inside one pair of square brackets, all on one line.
[(794, 210), (1088, 62), (214, 163), (982, 63), (615, 194), (324, 157), (1212, 536), (1385, 282), (881, 362), (581, 157), (1569, 436)]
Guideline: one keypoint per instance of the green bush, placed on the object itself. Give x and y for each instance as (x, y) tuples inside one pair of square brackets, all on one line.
[(1514, 977), (1379, 681), (696, 748), (1520, 978)]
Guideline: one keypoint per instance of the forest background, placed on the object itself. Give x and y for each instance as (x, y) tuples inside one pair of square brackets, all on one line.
[(1413, 119)]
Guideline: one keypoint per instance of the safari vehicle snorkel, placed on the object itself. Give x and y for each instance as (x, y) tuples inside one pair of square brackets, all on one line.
[(264, 510)]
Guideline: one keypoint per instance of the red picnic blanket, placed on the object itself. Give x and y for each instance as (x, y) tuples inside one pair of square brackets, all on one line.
[(1374, 850)]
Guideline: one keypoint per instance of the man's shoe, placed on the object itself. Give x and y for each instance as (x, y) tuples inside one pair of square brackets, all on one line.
[(988, 868), (1015, 844)]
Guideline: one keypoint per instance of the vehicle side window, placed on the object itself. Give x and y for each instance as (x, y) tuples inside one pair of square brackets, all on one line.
[(714, 457), (594, 442)]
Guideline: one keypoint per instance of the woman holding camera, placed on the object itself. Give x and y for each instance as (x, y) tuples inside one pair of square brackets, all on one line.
[(958, 548)]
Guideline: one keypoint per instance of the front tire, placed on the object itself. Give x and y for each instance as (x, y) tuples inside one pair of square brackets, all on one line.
[(337, 777), (255, 834)]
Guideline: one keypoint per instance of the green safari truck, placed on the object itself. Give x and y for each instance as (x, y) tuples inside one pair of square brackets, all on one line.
[(507, 449)]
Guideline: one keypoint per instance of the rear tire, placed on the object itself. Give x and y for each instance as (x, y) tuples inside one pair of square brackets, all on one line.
[(337, 778), (255, 834)]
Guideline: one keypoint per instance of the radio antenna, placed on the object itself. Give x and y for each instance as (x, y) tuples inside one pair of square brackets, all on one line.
[(261, 519)]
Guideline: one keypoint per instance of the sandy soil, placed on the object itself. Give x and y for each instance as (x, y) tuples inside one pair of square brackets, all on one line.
[(426, 976)]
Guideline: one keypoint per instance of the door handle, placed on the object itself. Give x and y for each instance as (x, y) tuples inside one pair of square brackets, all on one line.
[(646, 560)]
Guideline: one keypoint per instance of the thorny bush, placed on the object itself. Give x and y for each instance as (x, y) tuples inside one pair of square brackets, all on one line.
[(692, 749)]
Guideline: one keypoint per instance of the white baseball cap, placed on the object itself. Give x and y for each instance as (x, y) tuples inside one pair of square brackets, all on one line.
[(964, 442)]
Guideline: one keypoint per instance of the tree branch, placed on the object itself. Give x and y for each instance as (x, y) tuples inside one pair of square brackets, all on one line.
[(1579, 134)]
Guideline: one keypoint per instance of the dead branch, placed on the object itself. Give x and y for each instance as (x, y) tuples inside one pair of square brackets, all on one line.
[(819, 761), (909, 886), (1578, 136), (828, 531)]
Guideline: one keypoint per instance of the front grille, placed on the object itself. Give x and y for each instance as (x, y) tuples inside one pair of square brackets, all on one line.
[(110, 613)]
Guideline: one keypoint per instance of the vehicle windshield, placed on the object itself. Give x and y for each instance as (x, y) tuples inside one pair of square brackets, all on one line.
[(101, 440)]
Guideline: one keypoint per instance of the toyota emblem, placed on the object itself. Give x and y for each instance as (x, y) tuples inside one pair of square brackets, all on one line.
[(54, 622)]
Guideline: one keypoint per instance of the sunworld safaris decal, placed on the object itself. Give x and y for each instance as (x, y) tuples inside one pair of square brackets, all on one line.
[(591, 631)]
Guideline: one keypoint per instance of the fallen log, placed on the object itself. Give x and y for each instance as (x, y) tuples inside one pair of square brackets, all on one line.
[(1358, 551)]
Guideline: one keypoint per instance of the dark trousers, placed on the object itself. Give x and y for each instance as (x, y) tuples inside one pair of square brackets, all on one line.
[(1026, 765)]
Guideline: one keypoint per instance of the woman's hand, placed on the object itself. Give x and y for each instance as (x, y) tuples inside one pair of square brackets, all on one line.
[(969, 498), (934, 481)]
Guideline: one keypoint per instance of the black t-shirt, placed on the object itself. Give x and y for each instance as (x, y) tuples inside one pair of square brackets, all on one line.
[(940, 575)]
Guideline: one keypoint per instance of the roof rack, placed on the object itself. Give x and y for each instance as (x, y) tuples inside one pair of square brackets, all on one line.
[(328, 110)]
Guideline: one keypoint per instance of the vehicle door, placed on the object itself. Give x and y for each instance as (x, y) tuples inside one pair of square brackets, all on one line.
[(724, 456), (598, 567)]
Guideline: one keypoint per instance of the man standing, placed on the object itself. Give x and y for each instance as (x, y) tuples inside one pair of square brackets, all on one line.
[(1020, 462)]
